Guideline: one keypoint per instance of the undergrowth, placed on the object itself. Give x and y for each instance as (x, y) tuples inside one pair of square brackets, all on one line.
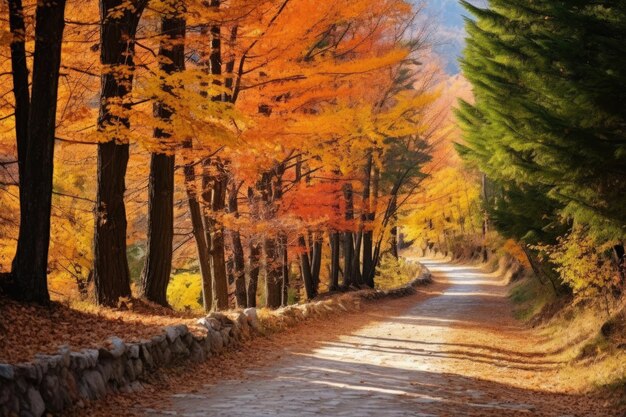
[(394, 273), (588, 338), (530, 297)]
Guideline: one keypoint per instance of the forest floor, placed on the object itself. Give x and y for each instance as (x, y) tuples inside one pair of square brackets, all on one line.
[(27, 329), (453, 349)]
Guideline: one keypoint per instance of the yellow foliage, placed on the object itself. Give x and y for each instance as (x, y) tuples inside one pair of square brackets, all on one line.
[(514, 249), (448, 206), (185, 291), (582, 264)]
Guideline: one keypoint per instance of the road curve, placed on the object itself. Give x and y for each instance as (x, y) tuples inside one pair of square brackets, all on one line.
[(458, 353)]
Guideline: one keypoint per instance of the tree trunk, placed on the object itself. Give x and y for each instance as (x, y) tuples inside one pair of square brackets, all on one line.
[(36, 188), (21, 93), (276, 195), (254, 257), (214, 187), (485, 217), (158, 265), (273, 274), (372, 216), (273, 270), (305, 268), (217, 246), (230, 265), (206, 206), (357, 278), (334, 260), (316, 260), (388, 216), (239, 266), (230, 65), (117, 50), (348, 244), (282, 239), (20, 82), (202, 248), (255, 269), (366, 226), (393, 239)]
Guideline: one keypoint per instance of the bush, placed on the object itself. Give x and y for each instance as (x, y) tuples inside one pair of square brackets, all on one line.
[(394, 273), (583, 265), (185, 291)]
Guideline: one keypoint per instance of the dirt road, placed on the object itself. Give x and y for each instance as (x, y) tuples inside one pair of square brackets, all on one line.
[(458, 353)]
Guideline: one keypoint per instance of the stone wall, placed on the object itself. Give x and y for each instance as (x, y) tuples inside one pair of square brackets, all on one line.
[(53, 383)]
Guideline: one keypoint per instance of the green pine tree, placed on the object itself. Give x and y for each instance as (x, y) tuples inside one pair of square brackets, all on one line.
[(549, 124)]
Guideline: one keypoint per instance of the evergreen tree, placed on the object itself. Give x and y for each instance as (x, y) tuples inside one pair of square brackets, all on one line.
[(548, 78)]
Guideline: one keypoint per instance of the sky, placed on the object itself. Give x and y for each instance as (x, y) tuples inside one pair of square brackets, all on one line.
[(450, 34)]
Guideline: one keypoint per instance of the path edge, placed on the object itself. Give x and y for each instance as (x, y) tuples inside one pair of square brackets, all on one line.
[(55, 383)]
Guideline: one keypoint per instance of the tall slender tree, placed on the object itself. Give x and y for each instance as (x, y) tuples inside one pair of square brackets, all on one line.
[(119, 21), (366, 227), (239, 267), (31, 265), (158, 264)]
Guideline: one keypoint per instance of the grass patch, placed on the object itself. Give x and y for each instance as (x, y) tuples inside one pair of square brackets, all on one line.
[(393, 273), (595, 347), (530, 297)]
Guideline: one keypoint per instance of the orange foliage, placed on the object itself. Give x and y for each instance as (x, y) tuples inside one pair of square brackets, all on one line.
[(317, 80)]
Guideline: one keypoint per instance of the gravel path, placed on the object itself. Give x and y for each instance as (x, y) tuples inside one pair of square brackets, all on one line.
[(455, 354)]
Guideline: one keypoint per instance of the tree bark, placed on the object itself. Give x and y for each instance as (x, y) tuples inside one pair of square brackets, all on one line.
[(254, 257), (348, 245), (273, 273), (217, 246), (372, 217), (366, 226), (255, 268), (334, 260), (316, 260), (277, 194), (202, 247), (393, 239), (36, 187), (284, 259), (305, 268), (158, 265), (20, 82), (485, 225), (273, 263), (239, 266), (273, 268), (21, 93), (214, 187), (117, 50), (357, 278)]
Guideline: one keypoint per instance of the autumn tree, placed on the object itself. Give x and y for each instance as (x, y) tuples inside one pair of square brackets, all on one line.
[(36, 166), (156, 273), (117, 49), (271, 114)]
